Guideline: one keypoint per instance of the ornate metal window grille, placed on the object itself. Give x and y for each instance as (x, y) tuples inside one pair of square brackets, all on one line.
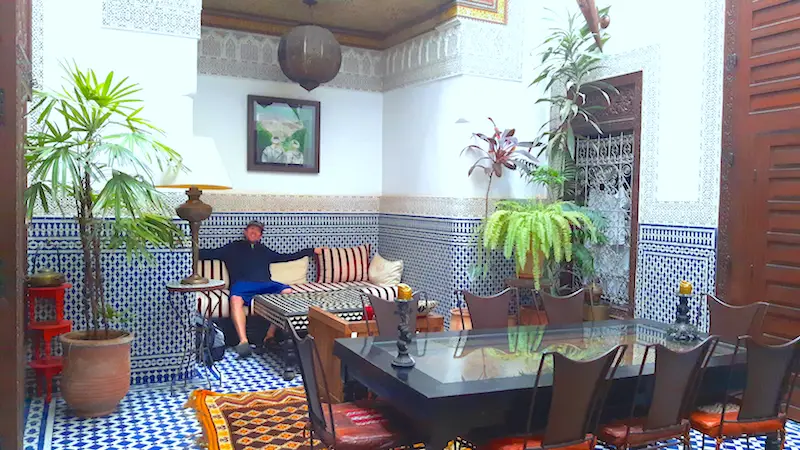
[(604, 180)]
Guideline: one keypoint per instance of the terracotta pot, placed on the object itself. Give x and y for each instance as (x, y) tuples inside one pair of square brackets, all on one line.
[(596, 313), (455, 319), (527, 272), (97, 373)]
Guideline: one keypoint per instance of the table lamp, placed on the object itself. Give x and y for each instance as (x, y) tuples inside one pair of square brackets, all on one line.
[(203, 170)]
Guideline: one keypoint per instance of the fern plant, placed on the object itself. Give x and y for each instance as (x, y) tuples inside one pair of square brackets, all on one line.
[(535, 228)]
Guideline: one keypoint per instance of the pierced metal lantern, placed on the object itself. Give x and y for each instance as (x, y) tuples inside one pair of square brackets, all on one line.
[(309, 55)]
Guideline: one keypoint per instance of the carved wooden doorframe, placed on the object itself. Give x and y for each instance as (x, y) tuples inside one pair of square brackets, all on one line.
[(15, 85), (623, 115)]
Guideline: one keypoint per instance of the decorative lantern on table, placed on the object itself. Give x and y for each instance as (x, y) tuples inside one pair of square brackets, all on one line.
[(403, 359), (682, 330)]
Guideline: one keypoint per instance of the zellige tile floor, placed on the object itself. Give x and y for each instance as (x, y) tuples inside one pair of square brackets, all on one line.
[(150, 418)]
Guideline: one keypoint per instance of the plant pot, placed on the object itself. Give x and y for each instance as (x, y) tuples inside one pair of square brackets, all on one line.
[(596, 313), (527, 272), (97, 373), (455, 319)]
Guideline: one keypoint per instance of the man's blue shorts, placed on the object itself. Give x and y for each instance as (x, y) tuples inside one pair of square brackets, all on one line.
[(248, 289)]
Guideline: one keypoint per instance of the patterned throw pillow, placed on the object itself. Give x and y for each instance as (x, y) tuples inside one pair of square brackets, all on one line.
[(337, 265)]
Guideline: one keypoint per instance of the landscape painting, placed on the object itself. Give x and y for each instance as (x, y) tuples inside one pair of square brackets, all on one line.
[(283, 134)]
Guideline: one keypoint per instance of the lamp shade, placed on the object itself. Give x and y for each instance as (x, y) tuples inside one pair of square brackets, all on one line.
[(203, 167)]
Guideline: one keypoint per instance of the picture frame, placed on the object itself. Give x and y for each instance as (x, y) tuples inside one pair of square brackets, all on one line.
[(282, 135)]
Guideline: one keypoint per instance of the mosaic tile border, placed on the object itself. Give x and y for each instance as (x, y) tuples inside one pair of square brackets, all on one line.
[(137, 288), (666, 255), (437, 253)]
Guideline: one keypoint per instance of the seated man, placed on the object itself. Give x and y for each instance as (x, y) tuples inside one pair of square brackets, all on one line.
[(248, 263)]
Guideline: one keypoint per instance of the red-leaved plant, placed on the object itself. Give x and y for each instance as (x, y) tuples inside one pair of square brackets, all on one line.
[(503, 153)]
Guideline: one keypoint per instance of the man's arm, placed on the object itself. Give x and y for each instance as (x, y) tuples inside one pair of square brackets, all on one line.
[(275, 257), (215, 253)]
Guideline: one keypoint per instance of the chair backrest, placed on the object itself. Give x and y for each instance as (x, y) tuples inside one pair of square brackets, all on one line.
[(564, 310), (310, 368), (677, 378), (730, 322), (579, 391), (488, 312), (769, 378), (386, 315)]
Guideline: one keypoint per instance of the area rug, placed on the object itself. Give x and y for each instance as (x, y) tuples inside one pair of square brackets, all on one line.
[(269, 420)]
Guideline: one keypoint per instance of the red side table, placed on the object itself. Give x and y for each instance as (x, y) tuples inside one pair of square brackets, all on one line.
[(45, 365), (55, 293)]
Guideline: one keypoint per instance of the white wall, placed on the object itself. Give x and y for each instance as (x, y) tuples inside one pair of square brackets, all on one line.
[(422, 142), (350, 134), (682, 100), (164, 66)]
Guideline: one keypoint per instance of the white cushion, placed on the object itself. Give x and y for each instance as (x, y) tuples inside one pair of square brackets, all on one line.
[(292, 272), (384, 272)]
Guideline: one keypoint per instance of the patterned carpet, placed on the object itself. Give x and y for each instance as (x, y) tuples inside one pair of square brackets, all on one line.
[(272, 420)]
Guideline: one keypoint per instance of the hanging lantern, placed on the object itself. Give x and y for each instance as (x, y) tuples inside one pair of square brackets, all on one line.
[(309, 55)]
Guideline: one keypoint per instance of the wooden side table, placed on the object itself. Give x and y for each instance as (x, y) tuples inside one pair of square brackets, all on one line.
[(184, 312)]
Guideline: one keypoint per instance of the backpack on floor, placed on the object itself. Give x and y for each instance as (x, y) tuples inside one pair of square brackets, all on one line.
[(211, 341)]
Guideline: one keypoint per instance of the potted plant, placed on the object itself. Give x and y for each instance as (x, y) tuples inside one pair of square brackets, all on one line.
[(92, 147), (532, 232), (503, 153)]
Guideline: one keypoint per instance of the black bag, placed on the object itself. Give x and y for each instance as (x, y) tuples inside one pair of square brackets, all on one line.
[(210, 340)]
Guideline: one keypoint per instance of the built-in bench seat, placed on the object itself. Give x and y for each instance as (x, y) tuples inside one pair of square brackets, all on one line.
[(216, 304)]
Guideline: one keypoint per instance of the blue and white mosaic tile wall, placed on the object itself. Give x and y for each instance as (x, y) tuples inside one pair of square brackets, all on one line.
[(137, 288), (668, 254), (437, 254)]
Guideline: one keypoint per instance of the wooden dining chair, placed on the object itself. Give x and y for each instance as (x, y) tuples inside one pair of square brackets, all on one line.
[(346, 426), (765, 400), (730, 322), (486, 313), (386, 316), (677, 379), (578, 395), (563, 310)]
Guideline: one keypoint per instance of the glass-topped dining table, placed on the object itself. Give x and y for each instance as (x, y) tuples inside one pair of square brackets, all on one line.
[(464, 380)]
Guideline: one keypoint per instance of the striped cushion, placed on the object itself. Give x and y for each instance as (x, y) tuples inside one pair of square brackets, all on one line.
[(216, 304), (336, 265)]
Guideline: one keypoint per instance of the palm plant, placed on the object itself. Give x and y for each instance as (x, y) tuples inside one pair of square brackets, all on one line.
[(571, 56), (93, 148), (533, 229), (503, 153)]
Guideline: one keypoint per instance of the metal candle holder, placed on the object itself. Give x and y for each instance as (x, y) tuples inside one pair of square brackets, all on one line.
[(403, 359), (682, 330)]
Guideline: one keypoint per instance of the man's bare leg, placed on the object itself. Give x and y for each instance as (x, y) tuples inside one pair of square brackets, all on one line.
[(272, 327), (239, 321)]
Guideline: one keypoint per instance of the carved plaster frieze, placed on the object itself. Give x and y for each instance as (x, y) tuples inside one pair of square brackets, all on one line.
[(460, 46), (173, 17), (249, 55)]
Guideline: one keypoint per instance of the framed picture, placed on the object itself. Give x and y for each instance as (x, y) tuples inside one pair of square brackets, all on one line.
[(282, 135)]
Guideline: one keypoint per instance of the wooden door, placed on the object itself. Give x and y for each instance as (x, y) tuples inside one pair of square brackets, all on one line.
[(760, 191), (15, 70)]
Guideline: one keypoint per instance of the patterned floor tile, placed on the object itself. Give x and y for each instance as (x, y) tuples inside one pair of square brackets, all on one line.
[(149, 417)]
